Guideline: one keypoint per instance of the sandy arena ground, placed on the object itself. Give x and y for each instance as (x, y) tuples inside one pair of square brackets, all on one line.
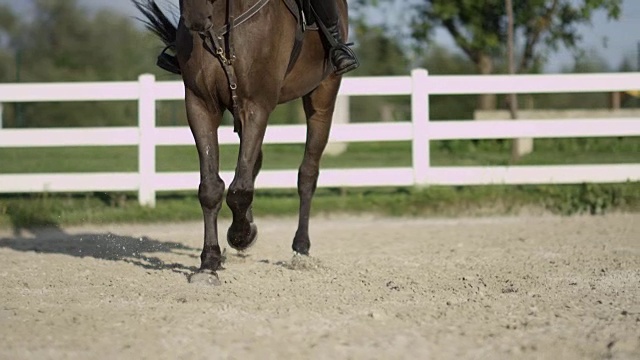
[(375, 288)]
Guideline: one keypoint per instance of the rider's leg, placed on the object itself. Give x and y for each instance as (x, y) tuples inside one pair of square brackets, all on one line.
[(342, 57)]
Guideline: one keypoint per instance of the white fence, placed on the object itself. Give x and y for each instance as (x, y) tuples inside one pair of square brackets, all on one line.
[(420, 131)]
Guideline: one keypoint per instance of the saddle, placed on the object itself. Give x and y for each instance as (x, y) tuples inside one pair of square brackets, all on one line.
[(301, 11)]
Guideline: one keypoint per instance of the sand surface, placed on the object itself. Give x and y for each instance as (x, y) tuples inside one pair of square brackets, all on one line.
[(374, 288)]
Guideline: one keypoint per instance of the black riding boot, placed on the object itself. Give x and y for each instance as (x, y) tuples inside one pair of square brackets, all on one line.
[(342, 57)]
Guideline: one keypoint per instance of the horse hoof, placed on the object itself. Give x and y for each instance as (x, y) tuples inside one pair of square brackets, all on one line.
[(242, 243), (301, 245), (301, 250), (205, 277)]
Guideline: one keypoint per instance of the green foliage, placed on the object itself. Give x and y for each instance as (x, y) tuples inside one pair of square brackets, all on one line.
[(24, 211), (64, 42), (476, 26), (479, 26), (381, 55), (7, 32), (384, 55), (593, 199), (29, 213), (441, 61), (587, 62), (8, 20)]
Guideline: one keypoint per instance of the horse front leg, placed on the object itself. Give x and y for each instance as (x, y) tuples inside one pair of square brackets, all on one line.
[(204, 120), (243, 232), (318, 106)]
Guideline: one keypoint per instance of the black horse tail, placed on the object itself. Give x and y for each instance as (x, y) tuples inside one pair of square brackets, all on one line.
[(158, 23)]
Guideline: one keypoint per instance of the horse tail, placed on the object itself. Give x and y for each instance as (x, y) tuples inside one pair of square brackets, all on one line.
[(159, 24)]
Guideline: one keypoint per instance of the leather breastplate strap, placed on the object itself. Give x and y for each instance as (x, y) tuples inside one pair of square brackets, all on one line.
[(214, 43), (217, 40)]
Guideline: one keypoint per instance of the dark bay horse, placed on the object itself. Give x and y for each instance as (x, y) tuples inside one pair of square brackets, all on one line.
[(261, 76)]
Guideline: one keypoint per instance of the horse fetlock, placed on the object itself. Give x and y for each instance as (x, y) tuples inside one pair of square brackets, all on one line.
[(211, 259), (239, 200)]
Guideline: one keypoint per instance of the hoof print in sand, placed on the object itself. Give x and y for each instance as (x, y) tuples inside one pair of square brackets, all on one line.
[(302, 262), (205, 278)]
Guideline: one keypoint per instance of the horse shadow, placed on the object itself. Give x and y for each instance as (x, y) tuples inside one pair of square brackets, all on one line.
[(104, 246)]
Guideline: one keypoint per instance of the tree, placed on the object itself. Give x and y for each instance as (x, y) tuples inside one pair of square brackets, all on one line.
[(380, 55), (442, 61), (8, 26), (384, 56), (8, 23), (479, 27), (65, 42)]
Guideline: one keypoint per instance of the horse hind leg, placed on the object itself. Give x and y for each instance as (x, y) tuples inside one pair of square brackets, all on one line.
[(318, 106), (243, 232)]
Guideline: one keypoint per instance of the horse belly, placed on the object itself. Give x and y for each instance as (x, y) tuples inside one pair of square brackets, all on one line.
[(308, 71)]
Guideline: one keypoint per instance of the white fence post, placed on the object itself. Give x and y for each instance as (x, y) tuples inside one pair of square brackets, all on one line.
[(147, 147), (420, 119)]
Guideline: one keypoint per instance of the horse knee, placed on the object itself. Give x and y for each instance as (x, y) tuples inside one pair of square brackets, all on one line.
[(210, 193)]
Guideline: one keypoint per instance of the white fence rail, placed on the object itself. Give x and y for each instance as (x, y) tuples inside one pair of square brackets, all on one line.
[(420, 131)]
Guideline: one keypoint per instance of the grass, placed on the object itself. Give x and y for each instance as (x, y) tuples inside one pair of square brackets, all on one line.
[(381, 154), (21, 210)]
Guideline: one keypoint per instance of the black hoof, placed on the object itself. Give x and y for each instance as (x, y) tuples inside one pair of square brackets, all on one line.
[(304, 252), (242, 238), (301, 245), (205, 277)]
